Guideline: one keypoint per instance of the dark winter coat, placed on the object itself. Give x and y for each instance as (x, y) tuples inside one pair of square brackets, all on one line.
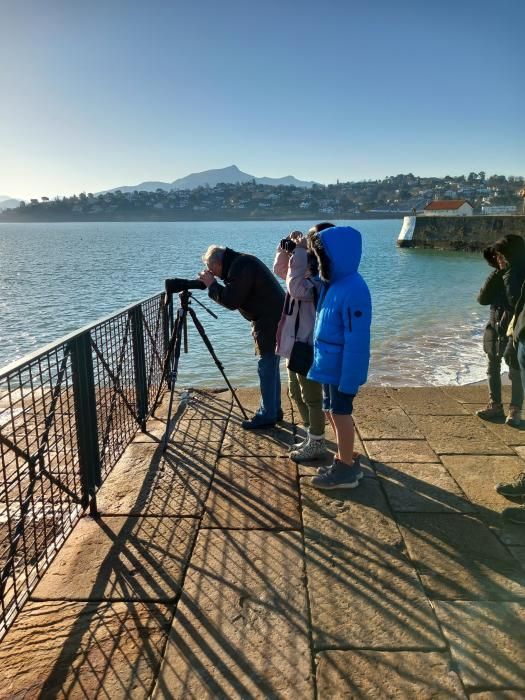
[(514, 279), (250, 287), (493, 293), (519, 324)]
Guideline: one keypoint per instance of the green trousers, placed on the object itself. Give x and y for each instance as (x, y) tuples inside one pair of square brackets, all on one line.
[(308, 396)]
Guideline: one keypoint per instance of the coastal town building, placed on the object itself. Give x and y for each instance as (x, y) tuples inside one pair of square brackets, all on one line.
[(509, 209), (448, 207)]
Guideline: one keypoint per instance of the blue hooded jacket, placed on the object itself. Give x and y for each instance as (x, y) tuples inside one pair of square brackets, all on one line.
[(344, 315)]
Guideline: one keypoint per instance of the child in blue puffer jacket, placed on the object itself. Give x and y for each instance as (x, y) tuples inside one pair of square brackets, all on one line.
[(341, 343)]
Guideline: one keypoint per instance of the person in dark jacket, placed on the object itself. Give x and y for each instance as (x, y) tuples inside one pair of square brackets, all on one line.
[(510, 257), (250, 287), (515, 490), (495, 341)]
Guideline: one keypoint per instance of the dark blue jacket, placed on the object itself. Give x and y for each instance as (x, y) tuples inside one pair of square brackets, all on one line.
[(344, 314)]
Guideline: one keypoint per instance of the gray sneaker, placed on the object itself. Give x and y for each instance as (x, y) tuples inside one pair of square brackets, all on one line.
[(357, 463), (313, 449), (340, 476)]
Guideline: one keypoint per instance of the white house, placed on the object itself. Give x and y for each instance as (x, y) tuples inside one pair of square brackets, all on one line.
[(448, 207)]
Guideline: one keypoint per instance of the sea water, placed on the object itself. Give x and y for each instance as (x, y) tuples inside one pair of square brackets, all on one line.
[(54, 278)]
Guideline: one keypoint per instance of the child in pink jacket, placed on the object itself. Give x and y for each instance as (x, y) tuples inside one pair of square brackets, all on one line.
[(302, 285)]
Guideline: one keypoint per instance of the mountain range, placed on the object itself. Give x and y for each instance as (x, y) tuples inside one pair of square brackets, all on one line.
[(8, 202), (210, 178)]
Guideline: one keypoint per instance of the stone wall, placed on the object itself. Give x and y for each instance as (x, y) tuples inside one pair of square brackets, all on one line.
[(459, 233)]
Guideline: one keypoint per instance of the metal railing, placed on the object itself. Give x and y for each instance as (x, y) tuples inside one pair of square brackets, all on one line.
[(67, 413)]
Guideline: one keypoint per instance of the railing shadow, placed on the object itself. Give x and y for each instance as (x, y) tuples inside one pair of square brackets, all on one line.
[(242, 625)]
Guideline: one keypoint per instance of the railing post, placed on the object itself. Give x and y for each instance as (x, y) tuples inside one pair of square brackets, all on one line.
[(86, 417), (139, 363), (167, 313)]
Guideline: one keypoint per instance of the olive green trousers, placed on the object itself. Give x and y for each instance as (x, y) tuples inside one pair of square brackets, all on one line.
[(308, 396)]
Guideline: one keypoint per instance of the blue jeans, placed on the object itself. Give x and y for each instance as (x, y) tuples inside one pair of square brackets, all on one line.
[(270, 382)]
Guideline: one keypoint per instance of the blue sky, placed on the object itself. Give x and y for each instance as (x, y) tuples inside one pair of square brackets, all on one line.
[(100, 94)]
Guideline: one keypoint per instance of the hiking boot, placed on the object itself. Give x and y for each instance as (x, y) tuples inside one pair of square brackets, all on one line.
[(340, 476), (514, 417), (312, 449), (514, 490), (357, 462), (514, 515), (492, 412)]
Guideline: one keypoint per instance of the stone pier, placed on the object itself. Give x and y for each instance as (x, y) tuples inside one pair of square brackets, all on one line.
[(215, 570), (457, 232)]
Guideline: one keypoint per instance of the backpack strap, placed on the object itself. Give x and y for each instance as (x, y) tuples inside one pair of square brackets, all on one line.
[(297, 319)]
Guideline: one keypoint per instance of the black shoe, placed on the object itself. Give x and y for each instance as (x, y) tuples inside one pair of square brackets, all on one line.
[(514, 490), (257, 422), (280, 416), (514, 515)]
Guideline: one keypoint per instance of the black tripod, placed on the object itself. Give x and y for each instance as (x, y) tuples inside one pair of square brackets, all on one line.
[(171, 361)]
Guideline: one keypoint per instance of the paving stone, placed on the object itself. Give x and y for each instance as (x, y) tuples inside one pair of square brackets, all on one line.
[(363, 591), (426, 401), (369, 402), (268, 442), (390, 674), (369, 391), (487, 642), (385, 423), (250, 492), (458, 558), (521, 453), (202, 429), (251, 397), (422, 488), (241, 627), (147, 481), (505, 433), (119, 558), (477, 477), (460, 435), (78, 650), (474, 393), (388, 451), (198, 405), (332, 516)]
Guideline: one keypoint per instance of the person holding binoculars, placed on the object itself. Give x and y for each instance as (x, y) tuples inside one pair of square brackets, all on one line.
[(294, 264)]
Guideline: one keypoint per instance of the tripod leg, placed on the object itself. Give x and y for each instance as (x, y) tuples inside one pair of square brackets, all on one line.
[(165, 376), (206, 341), (177, 334)]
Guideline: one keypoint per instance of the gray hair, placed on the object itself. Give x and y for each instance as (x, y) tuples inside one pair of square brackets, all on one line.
[(214, 254)]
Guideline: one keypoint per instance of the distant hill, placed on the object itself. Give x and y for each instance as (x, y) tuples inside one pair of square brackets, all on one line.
[(211, 178), (8, 203)]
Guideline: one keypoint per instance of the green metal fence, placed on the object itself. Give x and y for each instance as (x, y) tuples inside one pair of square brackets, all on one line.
[(67, 413)]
